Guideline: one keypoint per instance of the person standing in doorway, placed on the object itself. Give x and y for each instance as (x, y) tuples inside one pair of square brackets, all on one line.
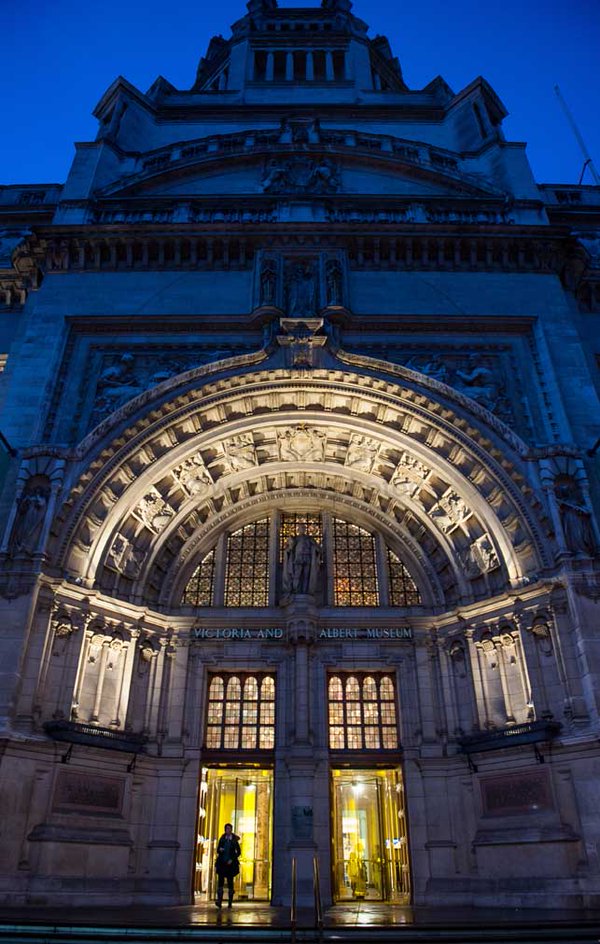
[(227, 863)]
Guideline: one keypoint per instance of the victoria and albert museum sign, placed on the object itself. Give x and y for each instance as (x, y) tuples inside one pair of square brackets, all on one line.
[(329, 633)]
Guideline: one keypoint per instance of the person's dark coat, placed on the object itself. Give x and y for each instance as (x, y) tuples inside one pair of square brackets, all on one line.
[(228, 855)]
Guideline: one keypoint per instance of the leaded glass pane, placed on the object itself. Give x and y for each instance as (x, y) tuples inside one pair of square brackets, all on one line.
[(354, 566), (290, 528), (241, 723), (403, 589), (199, 589), (362, 712), (247, 573), (369, 689)]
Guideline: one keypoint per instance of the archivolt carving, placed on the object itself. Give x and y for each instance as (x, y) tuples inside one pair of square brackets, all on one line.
[(248, 422)]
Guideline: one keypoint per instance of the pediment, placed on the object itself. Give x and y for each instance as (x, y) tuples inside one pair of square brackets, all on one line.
[(227, 167)]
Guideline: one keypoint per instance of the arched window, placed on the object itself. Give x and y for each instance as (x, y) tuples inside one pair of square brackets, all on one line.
[(403, 590), (199, 590), (242, 571), (354, 566), (247, 574)]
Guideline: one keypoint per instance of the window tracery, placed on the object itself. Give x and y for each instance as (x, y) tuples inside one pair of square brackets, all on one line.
[(362, 712), (247, 574), (241, 712), (354, 566)]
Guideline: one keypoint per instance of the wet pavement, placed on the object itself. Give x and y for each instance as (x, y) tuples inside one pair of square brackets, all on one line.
[(262, 915)]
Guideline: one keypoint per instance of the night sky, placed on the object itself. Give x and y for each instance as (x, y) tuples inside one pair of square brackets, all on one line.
[(59, 57)]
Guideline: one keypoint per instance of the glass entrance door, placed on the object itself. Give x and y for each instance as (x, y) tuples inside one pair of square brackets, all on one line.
[(242, 796), (370, 848)]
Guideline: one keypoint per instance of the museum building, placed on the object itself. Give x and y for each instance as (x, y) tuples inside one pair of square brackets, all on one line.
[(299, 412)]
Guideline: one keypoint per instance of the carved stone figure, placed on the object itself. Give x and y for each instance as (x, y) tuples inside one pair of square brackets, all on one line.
[(276, 178), (301, 563), (301, 444), (117, 384), (239, 452), (362, 452), (154, 511), (409, 474), (433, 367), (29, 521), (193, 476), (268, 282), (575, 518), (478, 382), (323, 177), (333, 281), (302, 292)]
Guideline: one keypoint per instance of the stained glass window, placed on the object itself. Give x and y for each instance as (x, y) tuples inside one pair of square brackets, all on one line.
[(362, 712), (199, 590), (403, 589), (290, 525), (247, 576), (354, 566), (241, 712)]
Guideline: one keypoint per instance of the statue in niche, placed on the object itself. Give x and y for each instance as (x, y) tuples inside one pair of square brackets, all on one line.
[(268, 282), (575, 518), (362, 452), (301, 444), (478, 382), (333, 281), (239, 452), (301, 563), (29, 521), (301, 292)]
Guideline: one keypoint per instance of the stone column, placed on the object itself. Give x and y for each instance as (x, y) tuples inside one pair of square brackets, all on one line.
[(329, 73), (289, 66), (270, 69), (310, 66)]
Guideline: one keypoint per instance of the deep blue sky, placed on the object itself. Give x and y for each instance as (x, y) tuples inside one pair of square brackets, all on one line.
[(59, 56)]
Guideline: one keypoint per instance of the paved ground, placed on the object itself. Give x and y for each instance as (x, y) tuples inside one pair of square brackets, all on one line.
[(244, 914)]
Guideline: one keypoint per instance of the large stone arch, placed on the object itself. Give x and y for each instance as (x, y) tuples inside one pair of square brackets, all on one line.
[(429, 458)]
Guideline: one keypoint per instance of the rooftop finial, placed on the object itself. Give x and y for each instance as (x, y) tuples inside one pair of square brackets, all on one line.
[(261, 6)]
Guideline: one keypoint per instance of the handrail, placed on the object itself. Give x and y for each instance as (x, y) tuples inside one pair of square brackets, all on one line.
[(293, 905), (317, 893)]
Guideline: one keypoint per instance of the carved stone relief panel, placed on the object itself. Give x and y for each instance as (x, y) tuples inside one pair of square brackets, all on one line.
[(499, 377), (479, 558), (125, 557), (300, 175), (239, 453), (301, 444), (362, 452), (450, 511), (153, 511), (193, 477)]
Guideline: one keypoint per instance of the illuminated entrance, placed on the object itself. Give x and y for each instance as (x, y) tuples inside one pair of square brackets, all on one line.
[(242, 796), (370, 846)]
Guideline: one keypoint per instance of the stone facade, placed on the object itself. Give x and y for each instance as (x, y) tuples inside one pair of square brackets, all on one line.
[(300, 394)]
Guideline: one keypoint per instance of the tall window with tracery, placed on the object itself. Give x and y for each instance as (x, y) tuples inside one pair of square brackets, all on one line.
[(241, 712), (247, 575), (362, 712), (403, 590), (354, 566), (199, 590)]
